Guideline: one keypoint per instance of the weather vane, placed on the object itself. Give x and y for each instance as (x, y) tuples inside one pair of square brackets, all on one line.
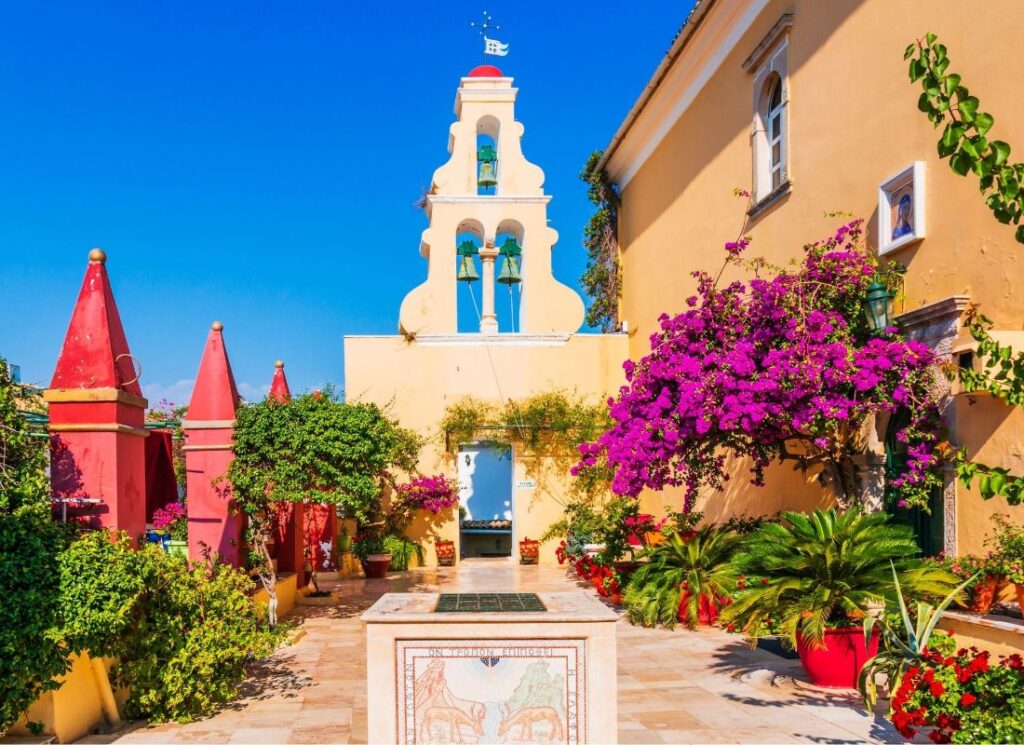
[(491, 46)]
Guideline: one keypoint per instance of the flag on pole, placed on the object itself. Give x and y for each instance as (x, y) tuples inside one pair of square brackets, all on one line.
[(495, 47)]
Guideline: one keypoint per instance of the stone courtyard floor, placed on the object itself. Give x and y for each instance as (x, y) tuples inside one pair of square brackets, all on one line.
[(674, 686)]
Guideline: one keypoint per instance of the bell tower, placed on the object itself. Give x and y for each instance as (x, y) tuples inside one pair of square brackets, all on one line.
[(488, 223)]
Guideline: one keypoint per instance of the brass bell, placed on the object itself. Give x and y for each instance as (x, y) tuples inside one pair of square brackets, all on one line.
[(510, 273), (467, 270), (487, 179)]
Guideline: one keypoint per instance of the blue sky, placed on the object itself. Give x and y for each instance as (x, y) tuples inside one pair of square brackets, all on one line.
[(233, 160)]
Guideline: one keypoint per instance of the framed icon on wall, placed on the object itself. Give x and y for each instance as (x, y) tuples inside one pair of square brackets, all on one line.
[(901, 208)]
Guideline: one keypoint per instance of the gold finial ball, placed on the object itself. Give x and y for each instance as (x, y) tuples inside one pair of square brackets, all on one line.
[(279, 363), (98, 255), (217, 326)]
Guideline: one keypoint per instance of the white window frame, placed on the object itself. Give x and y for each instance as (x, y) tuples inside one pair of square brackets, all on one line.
[(775, 66)]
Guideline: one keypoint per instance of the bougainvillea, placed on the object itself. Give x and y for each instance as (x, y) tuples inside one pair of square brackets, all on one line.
[(432, 493), (751, 366)]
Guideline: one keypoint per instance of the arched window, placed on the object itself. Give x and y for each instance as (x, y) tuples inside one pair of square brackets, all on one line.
[(770, 171), (487, 130)]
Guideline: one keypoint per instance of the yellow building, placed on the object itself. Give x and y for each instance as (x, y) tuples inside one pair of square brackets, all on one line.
[(808, 105), (488, 226)]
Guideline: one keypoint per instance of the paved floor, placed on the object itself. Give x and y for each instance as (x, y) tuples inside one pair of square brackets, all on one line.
[(674, 686)]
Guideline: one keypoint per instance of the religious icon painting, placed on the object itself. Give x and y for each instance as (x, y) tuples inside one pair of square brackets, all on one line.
[(901, 208)]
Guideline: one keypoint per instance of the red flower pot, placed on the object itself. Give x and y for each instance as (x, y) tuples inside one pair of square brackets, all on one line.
[(983, 594), (707, 609), (377, 566), (445, 553), (839, 662)]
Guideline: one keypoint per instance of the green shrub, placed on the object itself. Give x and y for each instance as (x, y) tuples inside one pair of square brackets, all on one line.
[(701, 561), (402, 550), (29, 656), (183, 635), (814, 571)]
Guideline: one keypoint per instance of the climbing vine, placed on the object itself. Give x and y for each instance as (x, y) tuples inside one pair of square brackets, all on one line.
[(602, 279), (964, 141), (546, 429), (964, 138)]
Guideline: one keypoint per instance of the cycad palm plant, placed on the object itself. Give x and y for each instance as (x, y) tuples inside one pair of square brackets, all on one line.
[(812, 571), (701, 561)]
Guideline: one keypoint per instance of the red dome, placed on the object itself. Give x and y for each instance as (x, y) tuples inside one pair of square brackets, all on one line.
[(485, 71)]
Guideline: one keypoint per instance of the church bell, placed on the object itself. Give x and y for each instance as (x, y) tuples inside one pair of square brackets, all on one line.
[(487, 158), (467, 266), (510, 252)]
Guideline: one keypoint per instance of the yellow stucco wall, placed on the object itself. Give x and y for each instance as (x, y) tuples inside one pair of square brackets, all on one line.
[(853, 123), (72, 710), (418, 380), (286, 591)]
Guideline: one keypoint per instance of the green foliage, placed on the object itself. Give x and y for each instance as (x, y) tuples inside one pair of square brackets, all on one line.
[(546, 429), (700, 563), (902, 646), (602, 279), (964, 138), (367, 546), (813, 571), (183, 634), (316, 448), (402, 550), (29, 656), (1007, 550), (23, 479)]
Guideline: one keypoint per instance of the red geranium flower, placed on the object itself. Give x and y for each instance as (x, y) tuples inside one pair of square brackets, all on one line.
[(967, 699)]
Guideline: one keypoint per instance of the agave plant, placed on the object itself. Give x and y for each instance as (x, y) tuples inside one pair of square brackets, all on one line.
[(815, 571), (699, 563), (901, 651)]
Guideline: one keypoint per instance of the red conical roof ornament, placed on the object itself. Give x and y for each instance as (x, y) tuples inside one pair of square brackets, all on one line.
[(95, 352), (279, 390), (214, 397)]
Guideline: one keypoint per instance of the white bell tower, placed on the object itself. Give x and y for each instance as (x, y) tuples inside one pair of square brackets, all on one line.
[(479, 201)]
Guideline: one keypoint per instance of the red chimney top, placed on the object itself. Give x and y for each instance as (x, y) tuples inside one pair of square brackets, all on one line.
[(95, 352), (214, 396)]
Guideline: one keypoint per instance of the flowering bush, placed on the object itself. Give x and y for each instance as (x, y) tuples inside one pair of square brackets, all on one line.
[(752, 365), (432, 493), (1008, 549), (963, 697), (171, 519)]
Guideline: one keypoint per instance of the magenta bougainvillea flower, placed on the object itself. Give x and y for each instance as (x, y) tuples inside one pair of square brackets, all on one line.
[(432, 493), (752, 365)]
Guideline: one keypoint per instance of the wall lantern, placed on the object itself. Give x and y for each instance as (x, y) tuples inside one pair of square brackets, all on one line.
[(878, 307)]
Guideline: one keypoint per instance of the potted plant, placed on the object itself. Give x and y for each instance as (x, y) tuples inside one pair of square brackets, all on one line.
[(402, 551), (686, 579), (373, 556), (172, 522), (445, 552), (816, 574), (529, 551), (983, 580), (1007, 544)]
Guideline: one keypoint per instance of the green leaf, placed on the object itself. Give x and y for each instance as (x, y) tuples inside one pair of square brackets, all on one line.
[(950, 83), (967, 108), (983, 123), (909, 51), (930, 38), (960, 163), (1001, 150), (1019, 234)]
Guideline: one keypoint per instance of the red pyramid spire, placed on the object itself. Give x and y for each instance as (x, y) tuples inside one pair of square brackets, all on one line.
[(95, 352), (279, 390), (214, 396)]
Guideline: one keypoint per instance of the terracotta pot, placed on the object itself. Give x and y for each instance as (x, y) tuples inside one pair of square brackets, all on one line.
[(1020, 594), (616, 598), (983, 594), (529, 551), (377, 566), (445, 553), (838, 664)]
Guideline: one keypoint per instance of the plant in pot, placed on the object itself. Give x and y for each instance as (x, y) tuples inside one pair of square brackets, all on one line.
[(172, 522), (817, 574), (1007, 544), (445, 552), (685, 579), (373, 555), (983, 580), (529, 551)]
